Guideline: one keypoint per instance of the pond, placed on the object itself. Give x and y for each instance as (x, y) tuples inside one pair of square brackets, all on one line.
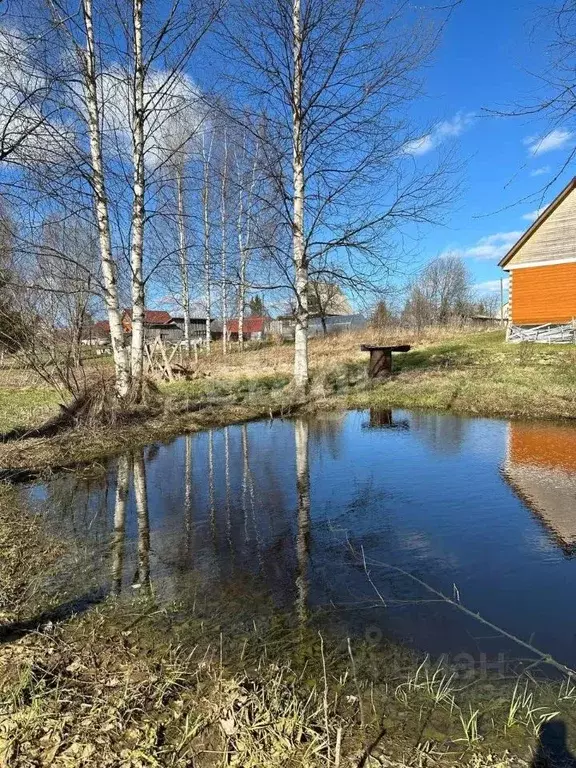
[(362, 521)]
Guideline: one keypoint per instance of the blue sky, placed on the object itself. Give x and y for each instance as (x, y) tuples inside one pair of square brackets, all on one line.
[(484, 63)]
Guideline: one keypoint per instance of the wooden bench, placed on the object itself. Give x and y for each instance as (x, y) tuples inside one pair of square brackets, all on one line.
[(380, 364)]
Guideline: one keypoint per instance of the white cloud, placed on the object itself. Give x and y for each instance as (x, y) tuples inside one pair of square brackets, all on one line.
[(443, 130), (173, 120), (419, 146), (492, 247), (32, 133), (556, 139), (491, 286), (542, 171), (533, 215)]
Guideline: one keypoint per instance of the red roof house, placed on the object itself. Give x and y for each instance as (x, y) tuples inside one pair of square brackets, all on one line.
[(101, 328), (252, 327), (151, 317)]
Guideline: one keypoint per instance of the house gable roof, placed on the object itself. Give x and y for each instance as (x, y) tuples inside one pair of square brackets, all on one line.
[(250, 325), (152, 316), (539, 221)]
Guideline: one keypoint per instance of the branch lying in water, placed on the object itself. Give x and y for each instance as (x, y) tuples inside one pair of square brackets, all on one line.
[(544, 657)]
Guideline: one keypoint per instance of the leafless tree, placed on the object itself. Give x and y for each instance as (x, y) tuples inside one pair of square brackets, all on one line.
[(224, 193), (178, 147), (334, 79), (207, 144), (123, 72), (440, 293), (246, 167), (381, 316), (27, 107), (56, 290), (552, 99)]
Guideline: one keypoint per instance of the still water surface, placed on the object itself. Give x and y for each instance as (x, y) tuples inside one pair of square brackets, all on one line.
[(330, 516)]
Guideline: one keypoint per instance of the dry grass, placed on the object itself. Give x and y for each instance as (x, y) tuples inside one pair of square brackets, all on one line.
[(27, 555), (447, 369), (126, 686), (326, 353)]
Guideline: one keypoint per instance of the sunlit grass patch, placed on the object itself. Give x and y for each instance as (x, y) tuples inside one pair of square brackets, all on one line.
[(26, 407)]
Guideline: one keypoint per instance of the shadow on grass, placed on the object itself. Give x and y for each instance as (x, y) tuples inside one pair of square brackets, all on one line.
[(435, 358), (552, 750), (17, 629)]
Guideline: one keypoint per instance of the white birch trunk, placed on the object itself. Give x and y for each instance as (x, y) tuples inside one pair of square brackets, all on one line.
[(206, 222), (183, 255), (138, 210), (244, 211), (298, 244), (121, 365), (241, 299), (224, 263)]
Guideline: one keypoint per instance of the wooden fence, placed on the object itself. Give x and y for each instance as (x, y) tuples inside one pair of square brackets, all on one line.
[(169, 361), (543, 334)]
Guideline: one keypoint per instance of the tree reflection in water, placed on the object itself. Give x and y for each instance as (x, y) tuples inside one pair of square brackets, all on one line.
[(142, 576), (434, 500), (188, 473), (120, 501), (303, 534)]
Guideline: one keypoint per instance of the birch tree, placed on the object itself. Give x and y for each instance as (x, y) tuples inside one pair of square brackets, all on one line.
[(138, 201), (246, 162), (177, 140), (335, 80), (99, 190), (125, 65), (223, 242), (207, 142)]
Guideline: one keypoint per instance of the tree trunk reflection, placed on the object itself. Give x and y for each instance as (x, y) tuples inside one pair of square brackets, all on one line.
[(142, 577), (303, 535), (122, 485)]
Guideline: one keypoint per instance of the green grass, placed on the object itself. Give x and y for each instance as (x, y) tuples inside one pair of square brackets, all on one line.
[(208, 388), (26, 407), (481, 374), (471, 373)]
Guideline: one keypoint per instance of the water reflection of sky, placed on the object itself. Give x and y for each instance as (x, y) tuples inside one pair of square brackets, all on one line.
[(466, 504)]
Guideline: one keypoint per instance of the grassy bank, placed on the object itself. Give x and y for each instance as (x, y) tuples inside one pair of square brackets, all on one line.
[(134, 683), (480, 374), (475, 373)]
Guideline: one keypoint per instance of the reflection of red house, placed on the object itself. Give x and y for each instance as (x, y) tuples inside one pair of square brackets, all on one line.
[(253, 328), (541, 468)]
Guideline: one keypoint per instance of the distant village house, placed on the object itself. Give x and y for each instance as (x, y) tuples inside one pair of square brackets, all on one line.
[(253, 328), (157, 324), (329, 312)]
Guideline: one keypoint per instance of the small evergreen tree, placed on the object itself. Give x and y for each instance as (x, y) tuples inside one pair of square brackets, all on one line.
[(381, 316), (12, 326), (256, 307)]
